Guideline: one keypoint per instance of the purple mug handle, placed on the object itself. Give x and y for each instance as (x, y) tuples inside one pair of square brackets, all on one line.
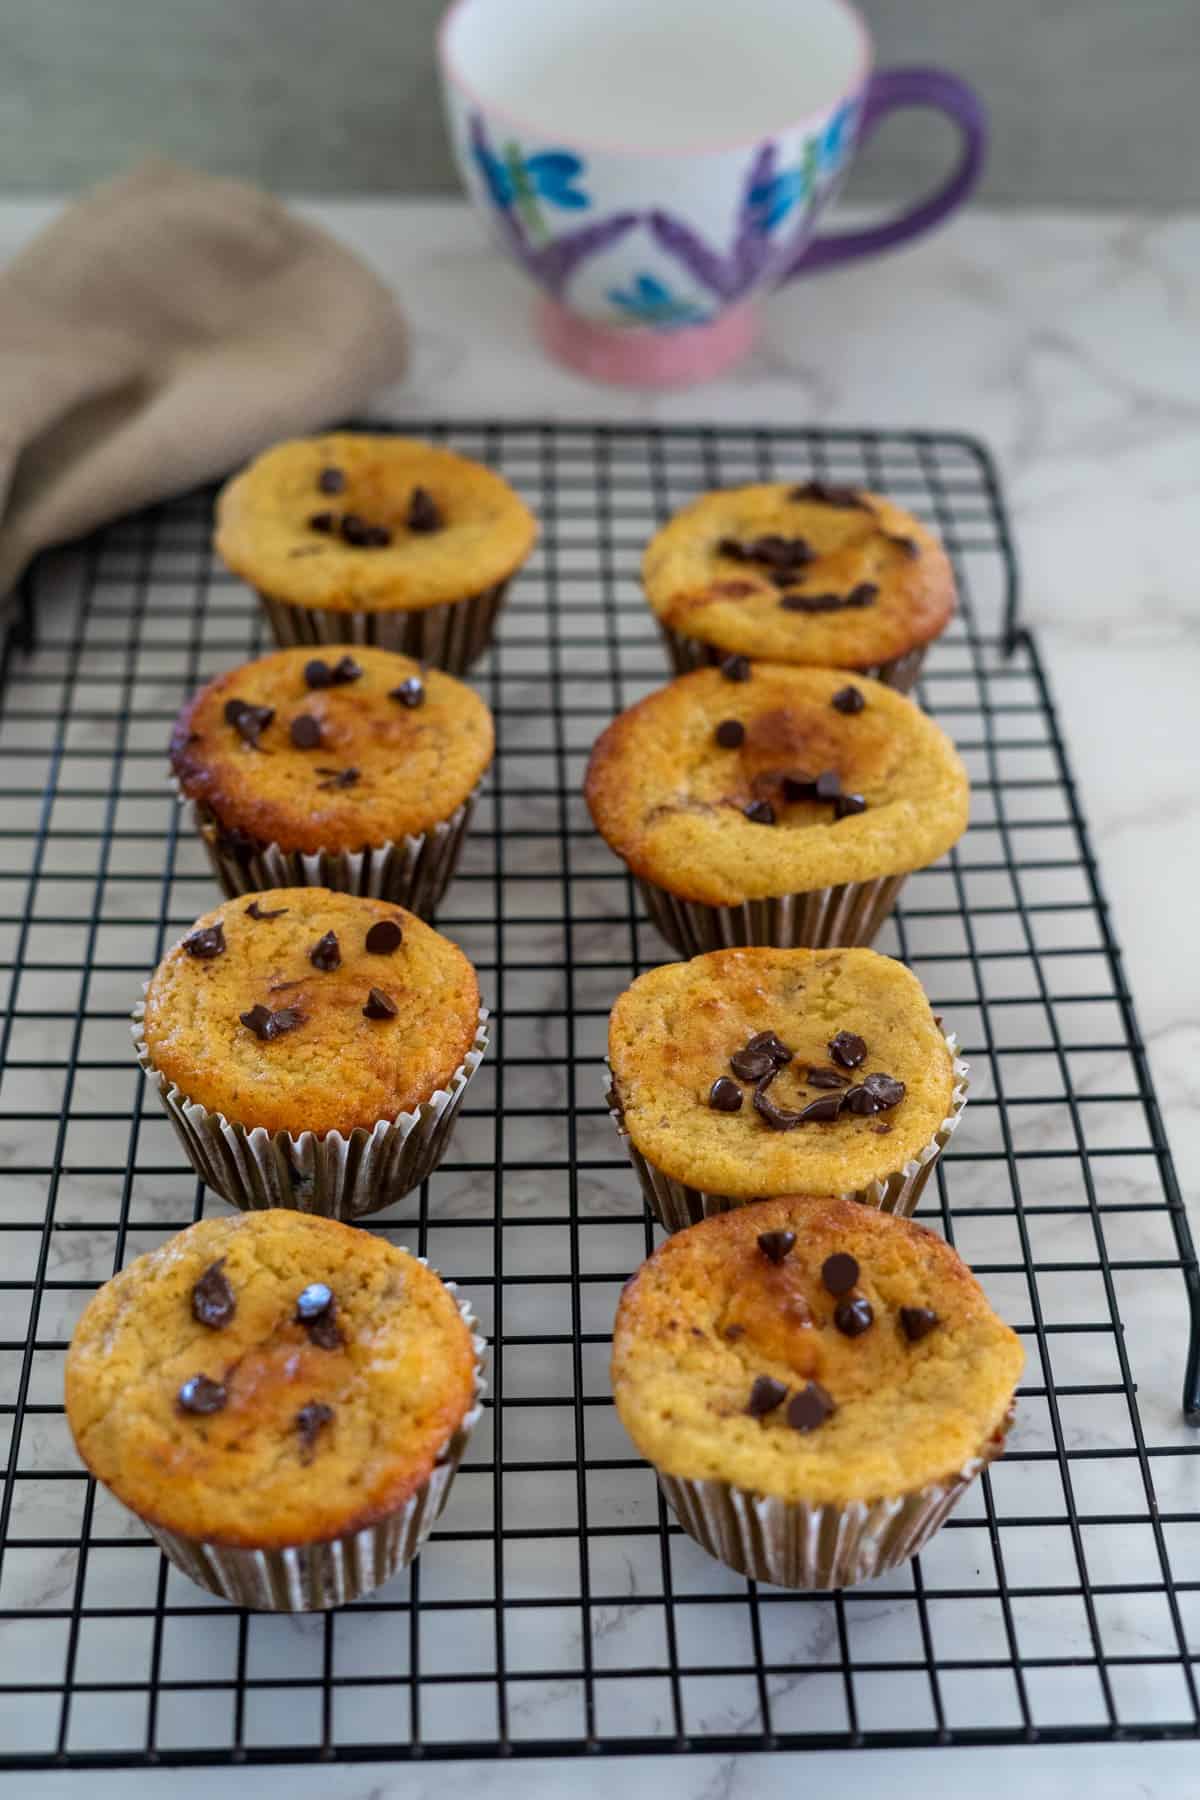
[(886, 91)]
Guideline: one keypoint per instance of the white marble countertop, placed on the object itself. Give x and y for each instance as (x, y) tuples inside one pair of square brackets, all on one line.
[(1066, 342)]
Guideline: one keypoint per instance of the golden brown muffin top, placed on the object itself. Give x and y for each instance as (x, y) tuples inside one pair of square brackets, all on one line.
[(705, 787), (439, 527), (317, 1426), (371, 1011), (809, 574), (672, 1035), (741, 1354), (333, 750)]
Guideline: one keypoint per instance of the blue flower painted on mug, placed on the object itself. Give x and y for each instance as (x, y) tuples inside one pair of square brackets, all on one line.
[(517, 181), (838, 136), (650, 303), (771, 201)]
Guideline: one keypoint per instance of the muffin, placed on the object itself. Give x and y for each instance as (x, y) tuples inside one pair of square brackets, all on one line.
[(283, 1402), (758, 804), (810, 574), (312, 1048), (746, 1074), (357, 772), (815, 1384), (357, 539)]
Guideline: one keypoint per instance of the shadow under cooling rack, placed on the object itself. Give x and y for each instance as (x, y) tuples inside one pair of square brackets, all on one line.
[(557, 1609)]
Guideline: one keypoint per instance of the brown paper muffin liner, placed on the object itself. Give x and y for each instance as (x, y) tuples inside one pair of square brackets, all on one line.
[(451, 636), (311, 1577), (676, 1206), (687, 653), (338, 1177), (797, 1545), (819, 918), (414, 872)]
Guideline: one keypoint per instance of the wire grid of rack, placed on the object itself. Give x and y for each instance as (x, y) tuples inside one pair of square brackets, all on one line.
[(558, 1609)]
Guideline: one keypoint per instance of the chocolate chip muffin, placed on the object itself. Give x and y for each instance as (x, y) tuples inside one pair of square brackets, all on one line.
[(312, 1048), (758, 804), (354, 538), (812, 574), (358, 771), (745, 1074), (283, 1401), (815, 1384)]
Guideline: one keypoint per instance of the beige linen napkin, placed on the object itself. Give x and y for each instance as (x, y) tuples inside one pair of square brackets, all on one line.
[(165, 328)]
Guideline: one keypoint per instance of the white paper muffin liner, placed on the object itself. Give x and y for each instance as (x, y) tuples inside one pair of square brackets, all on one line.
[(676, 1206), (338, 1177), (311, 1577), (414, 872), (686, 653), (451, 636), (797, 1545), (852, 913)]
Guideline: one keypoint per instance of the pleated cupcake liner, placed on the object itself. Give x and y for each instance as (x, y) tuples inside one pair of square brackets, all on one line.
[(339, 1177), (676, 1205), (852, 913), (311, 1577), (796, 1544), (414, 872), (687, 653), (449, 636)]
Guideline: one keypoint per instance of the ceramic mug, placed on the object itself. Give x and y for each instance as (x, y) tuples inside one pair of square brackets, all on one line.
[(655, 165)]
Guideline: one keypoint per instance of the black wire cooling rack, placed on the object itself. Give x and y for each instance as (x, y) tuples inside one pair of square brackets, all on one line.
[(558, 1609)]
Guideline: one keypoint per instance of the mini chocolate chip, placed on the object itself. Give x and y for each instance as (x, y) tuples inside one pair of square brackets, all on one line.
[(878, 1093), (312, 1301), (378, 537), (337, 778), (846, 805), (849, 700), (775, 1244), (248, 721), (765, 1396), (200, 1394), (777, 1117), (732, 1333), (785, 577), (848, 1049), (309, 1422), (725, 1095), (344, 669), (909, 545), (811, 603), (384, 936), (809, 1408), (409, 693), (325, 953), (853, 1317), (825, 494), (752, 1065), (865, 594), (317, 674), (839, 1272), (730, 734), (424, 513), (213, 1303), (759, 812), (917, 1322), (206, 944), (255, 911), (331, 481), (799, 787), (324, 1332), (380, 1005), (354, 530), (267, 1025), (826, 1078), (828, 784), (305, 732), (822, 1111), (323, 521), (736, 668), (882, 1129), (774, 1046)]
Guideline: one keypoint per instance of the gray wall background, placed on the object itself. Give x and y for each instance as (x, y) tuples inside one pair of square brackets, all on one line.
[(1093, 102)]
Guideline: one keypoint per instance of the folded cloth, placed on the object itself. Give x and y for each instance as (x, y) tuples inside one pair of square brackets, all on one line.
[(165, 328)]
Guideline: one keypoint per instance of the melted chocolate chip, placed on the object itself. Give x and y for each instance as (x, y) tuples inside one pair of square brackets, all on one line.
[(248, 721), (878, 1093), (323, 521), (409, 693), (765, 1396), (752, 1065), (317, 674), (853, 1317), (206, 944), (826, 1078), (725, 1095), (200, 1394), (305, 732), (882, 1129), (267, 1025), (839, 1272), (380, 1005), (809, 1408), (337, 778), (775, 1244), (331, 481), (812, 603), (848, 1049), (828, 784), (909, 545), (772, 549), (847, 804), (822, 1111), (799, 787), (825, 494), (849, 700), (310, 1421), (384, 936), (423, 511), (774, 1046), (344, 669), (324, 1331), (865, 594), (777, 1117), (730, 734), (736, 668), (378, 537), (213, 1303), (354, 530), (255, 911), (917, 1322), (759, 812), (325, 953)]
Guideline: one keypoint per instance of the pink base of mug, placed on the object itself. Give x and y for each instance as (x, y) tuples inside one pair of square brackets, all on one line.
[(637, 356)]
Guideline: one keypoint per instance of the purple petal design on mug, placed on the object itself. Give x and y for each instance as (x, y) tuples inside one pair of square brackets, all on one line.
[(750, 245), (768, 197), (679, 240), (556, 263)]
